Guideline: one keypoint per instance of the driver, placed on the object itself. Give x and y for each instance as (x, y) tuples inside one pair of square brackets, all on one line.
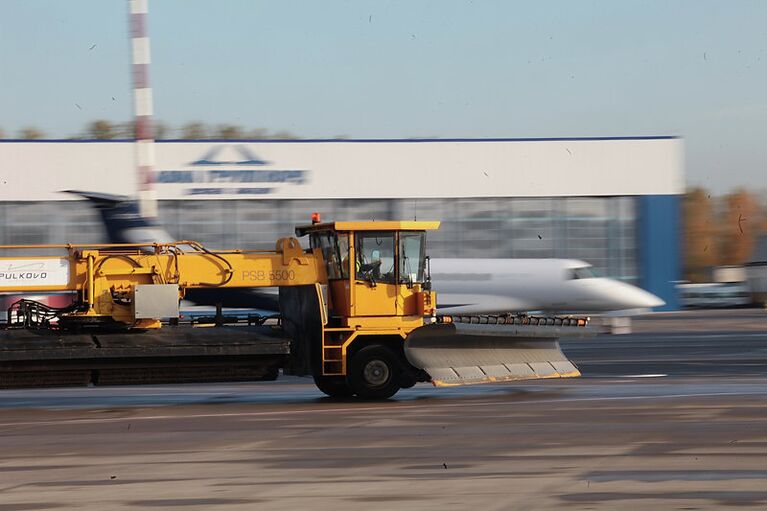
[(368, 270)]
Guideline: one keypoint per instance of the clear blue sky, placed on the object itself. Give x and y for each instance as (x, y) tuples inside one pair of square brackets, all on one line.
[(393, 69)]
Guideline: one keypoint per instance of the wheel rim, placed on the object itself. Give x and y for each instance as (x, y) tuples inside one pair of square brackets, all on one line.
[(376, 373)]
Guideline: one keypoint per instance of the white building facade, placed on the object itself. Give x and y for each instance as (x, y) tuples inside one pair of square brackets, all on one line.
[(613, 202)]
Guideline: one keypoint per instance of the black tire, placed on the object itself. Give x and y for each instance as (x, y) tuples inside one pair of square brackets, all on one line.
[(333, 386), (271, 374), (374, 373)]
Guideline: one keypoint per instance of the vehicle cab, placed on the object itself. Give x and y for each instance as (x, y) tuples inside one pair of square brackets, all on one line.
[(374, 269)]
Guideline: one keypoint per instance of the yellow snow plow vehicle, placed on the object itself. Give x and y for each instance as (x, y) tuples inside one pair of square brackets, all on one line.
[(357, 312)]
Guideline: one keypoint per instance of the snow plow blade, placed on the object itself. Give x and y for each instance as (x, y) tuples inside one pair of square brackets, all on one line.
[(455, 353)]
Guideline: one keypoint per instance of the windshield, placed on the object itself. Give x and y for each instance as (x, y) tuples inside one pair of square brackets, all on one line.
[(375, 257), (583, 272)]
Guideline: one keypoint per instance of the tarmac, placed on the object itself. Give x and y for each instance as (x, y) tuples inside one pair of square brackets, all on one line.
[(673, 416)]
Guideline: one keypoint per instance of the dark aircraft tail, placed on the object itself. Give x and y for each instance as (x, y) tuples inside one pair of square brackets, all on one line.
[(122, 220)]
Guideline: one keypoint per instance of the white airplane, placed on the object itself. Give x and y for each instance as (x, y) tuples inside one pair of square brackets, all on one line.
[(471, 286), (485, 286)]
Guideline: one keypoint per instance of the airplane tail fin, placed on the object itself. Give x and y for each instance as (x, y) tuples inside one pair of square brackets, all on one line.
[(122, 219)]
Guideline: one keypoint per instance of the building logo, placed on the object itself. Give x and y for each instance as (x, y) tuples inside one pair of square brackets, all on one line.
[(245, 157), (227, 170)]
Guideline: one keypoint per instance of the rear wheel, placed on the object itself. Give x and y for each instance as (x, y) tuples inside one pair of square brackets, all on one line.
[(374, 373), (333, 386)]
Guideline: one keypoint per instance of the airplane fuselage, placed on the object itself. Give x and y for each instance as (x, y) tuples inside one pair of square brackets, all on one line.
[(557, 285)]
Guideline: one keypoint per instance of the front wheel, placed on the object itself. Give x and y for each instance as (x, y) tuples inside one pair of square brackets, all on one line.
[(374, 373)]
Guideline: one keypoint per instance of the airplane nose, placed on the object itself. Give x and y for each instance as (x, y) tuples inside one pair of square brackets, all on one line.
[(605, 294), (637, 298)]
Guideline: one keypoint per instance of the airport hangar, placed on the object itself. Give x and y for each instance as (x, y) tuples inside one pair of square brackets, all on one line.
[(613, 202)]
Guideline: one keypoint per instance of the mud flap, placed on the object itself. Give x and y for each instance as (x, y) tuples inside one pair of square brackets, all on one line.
[(302, 320), (460, 354)]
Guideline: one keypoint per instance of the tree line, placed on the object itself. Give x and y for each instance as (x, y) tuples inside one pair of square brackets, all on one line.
[(719, 230), (101, 129)]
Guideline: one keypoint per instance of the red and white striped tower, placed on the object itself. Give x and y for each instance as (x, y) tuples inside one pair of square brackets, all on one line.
[(142, 106)]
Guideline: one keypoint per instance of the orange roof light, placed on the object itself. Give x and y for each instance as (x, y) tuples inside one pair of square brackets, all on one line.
[(315, 218)]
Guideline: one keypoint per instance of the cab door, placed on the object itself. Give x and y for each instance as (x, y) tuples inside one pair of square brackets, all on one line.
[(375, 274), (412, 263)]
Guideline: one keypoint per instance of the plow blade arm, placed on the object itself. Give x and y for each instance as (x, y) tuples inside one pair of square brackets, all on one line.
[(460, 354)]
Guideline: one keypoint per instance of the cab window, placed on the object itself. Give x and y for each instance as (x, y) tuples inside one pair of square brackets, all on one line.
[(375, 257), (335, 251), (343, 249), (411, 257)]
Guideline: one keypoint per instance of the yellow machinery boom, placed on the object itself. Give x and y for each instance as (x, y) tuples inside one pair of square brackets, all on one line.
[(356, 307)]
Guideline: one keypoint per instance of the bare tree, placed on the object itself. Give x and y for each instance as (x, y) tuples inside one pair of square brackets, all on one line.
[(259, 134), (284, 135), (126, 130), (229, 131), (102, 130), (739, 226), (194, 131), (701, 247), (161, 130), (31, 133)]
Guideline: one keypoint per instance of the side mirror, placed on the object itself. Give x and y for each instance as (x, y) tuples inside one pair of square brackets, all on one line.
[(427, 277)]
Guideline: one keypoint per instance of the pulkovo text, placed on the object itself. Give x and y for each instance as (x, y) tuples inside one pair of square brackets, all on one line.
[(25, 275)]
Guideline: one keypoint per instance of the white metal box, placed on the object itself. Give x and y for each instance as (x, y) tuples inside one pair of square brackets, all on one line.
[(156, 301)]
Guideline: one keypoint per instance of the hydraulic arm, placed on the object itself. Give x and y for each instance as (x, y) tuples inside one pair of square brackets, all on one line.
[(135, 286)]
